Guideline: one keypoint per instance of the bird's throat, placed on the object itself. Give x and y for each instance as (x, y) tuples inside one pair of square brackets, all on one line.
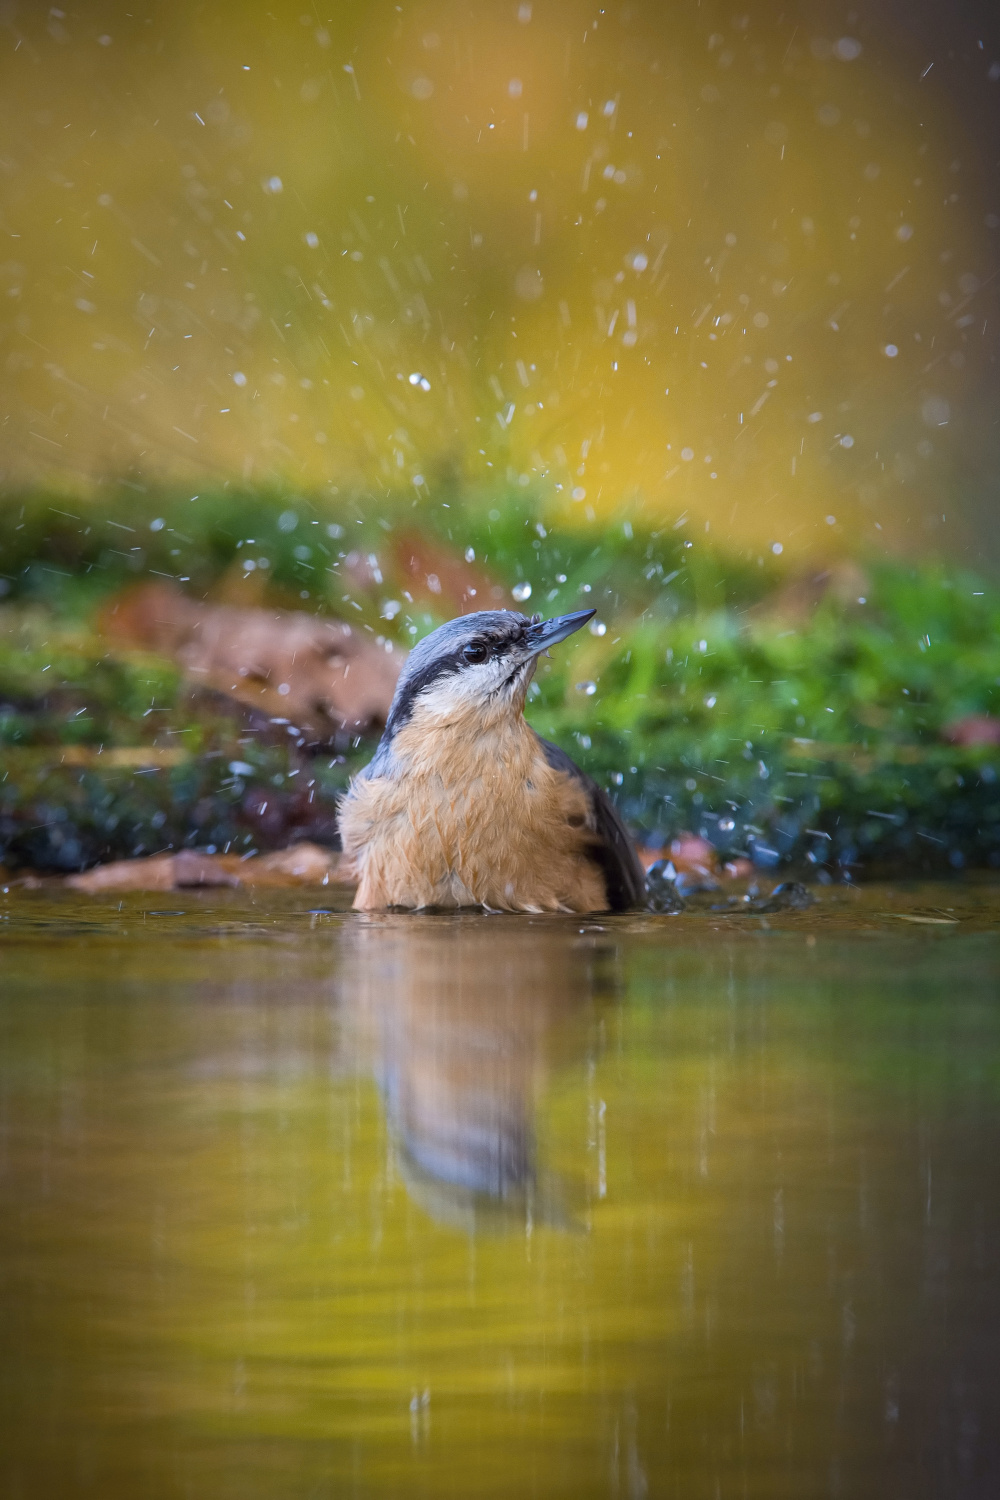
[(456, 742)]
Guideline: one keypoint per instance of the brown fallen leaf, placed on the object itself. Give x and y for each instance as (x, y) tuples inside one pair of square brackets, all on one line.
[(320, 675), (300, 864), (155, 873), (305, 864), (688, 853), (797, 599), (973, 729), (691, 855), (445, 578)]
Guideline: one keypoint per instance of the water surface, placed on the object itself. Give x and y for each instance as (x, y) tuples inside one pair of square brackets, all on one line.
[(299, 1203)]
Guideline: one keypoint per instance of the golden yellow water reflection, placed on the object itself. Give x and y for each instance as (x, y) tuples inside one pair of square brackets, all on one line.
[(304, 1204), (738, 266)]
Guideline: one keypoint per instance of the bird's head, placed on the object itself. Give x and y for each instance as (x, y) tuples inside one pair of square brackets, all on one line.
[(476, 669)]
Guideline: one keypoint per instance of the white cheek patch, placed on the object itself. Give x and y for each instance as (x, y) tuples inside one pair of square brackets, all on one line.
[(459, 691)]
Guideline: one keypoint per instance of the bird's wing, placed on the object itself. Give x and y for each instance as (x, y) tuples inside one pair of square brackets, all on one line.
[(613, 850)]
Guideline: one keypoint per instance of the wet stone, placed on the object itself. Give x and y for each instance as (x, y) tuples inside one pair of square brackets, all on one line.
[(662, 894)]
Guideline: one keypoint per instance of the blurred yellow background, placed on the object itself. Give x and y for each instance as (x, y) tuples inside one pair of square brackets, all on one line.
[(733, 264)]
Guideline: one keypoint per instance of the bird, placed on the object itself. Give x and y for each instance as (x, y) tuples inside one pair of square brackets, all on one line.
[(465, 805)]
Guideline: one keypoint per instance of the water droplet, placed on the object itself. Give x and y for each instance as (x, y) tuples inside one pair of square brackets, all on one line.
[(936, 411)]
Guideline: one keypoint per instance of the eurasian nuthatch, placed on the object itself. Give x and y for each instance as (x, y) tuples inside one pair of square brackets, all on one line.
[(465, 805)]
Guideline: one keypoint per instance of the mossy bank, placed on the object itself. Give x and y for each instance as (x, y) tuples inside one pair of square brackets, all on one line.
[(840, 717)]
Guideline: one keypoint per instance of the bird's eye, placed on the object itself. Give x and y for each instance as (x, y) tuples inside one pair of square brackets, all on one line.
[(475, 652)]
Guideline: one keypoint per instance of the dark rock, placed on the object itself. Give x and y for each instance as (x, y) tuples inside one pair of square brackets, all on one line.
[(662, 894), (791, 895)]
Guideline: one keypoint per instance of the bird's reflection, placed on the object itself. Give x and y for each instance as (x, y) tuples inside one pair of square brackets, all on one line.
[(462, 1019)]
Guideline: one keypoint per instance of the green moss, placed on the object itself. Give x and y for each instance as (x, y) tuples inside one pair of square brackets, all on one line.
[(755, 732)]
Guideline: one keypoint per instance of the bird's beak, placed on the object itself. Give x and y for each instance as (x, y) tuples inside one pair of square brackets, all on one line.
[(550, 632)]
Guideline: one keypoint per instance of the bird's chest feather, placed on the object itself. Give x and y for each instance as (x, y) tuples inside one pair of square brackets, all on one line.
[(471, 818)]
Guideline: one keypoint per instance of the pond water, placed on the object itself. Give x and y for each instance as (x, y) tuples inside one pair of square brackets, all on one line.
[(299, 1203)]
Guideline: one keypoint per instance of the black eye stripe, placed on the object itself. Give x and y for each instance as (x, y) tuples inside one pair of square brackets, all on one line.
[(414, 683)]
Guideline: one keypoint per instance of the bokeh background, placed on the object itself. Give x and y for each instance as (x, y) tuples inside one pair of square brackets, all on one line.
[(731, 261)]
